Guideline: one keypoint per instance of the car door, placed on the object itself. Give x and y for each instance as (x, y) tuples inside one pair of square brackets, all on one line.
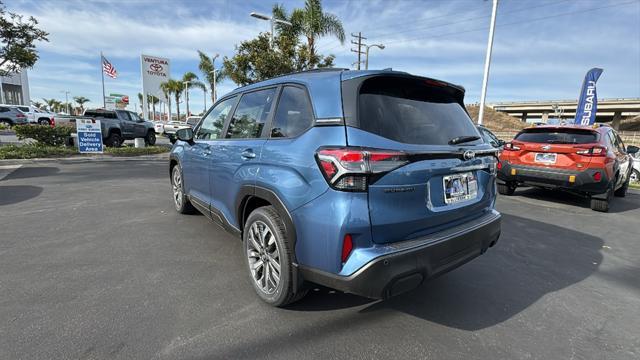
[(139, 127), (236, 158), (126, 125), (197, 157), (624, 160)]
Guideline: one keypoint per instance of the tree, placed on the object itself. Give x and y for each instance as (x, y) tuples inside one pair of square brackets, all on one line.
[(81, 100), (175, 88), (17, 41), (167, 95), (36, 104), (190, 80), (310, 22), (207, 66), (50, 103)]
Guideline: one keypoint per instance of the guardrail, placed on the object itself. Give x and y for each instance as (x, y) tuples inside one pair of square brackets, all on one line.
[(629, 137)]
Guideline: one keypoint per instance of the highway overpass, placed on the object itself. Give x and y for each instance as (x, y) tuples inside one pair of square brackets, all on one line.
[(609, 110)]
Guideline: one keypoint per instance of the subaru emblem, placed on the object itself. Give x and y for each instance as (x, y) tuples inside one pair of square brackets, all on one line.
[(546, 147), (468, 155)]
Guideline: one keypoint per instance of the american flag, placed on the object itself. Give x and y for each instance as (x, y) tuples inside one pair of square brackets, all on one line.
[(108, 69)]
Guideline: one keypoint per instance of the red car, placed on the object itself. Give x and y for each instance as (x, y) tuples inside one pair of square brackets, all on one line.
[(588, 160)]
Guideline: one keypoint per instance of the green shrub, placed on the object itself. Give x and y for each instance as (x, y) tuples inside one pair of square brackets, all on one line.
[(133, 151), (4, 127), (34, 151), (44, 134)]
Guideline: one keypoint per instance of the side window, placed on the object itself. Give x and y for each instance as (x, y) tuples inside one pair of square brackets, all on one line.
[(134, 117), (211, 127), (251, 114), (294, 114), (4, 109), (619, 142), (124, 115)]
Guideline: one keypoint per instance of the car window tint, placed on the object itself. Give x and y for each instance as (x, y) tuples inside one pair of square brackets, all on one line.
[(557, 136), (124, 115), (211, 127), (294, 114), (134, 116), (251, 114), (4, 109)]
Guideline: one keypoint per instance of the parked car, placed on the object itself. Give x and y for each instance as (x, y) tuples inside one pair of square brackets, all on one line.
[(592, 161), (35, 115), (158, 126), (120, 125), (171, 127), (193, 121), (489, 137), (10, 116), (369, 182), (635, 174)]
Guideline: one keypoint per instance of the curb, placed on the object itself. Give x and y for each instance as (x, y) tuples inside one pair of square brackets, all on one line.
[(86, 159)]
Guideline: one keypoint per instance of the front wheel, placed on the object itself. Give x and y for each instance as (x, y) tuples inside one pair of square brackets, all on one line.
[(150, 139), (635, 176), (180, 201), (44, 122), (268, 257)]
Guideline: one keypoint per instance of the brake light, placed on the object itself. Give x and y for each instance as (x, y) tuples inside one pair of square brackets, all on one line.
[(499, 165), (347, 246), (594, 151), (53, 122), (20, 115), (348, 168), (511, 147)]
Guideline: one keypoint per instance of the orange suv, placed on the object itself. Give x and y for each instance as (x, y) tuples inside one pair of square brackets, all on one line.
[(592, 161)]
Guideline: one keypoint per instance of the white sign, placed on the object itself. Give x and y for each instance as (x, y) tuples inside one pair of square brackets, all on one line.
[(89, 135), (110, 102), (155, 71)]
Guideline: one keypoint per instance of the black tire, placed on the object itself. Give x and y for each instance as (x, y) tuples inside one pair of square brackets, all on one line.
[(636, 174), (602, 203), (506, 189), (6, 122), (150, 139), (180, 200), (44, 121), (622, 191), (114, 140), (283, 292)]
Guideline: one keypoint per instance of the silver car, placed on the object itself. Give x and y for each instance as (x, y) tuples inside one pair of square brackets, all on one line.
[(635, 173), (12, 116)]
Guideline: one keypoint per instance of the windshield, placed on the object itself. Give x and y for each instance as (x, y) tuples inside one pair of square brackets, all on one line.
[(413, 111), (557, 136)]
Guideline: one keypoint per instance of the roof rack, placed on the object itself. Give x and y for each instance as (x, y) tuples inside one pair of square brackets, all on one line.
[(326, 69)]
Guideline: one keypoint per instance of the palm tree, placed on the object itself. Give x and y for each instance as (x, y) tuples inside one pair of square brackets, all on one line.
[(207, 66), (175, 88), (81, 100), (36, 104), (310, 22), (50, 103), (190, 80), (167, 95)]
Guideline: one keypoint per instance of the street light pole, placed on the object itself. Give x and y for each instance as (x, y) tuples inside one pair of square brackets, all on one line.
[(487, 61), (271, 20), (66, 99), (366, 58), (186, 97)]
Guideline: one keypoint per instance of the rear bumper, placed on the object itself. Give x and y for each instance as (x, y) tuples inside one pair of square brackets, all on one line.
[(408, 264), (555, 178)]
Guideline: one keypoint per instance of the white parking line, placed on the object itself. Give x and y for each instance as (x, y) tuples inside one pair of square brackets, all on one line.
[(8, 169)]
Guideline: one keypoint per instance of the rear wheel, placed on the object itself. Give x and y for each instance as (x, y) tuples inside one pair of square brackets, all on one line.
[(114, 140), (150, 139), (44, 121), (5, 122), (506, 189), (268, 257), (602, 203)]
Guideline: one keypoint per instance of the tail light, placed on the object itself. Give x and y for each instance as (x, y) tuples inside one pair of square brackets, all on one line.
[(347, 246), (20, 115), (348, 169), (511, 147), (53, 122), (594, 151), (499, 165)]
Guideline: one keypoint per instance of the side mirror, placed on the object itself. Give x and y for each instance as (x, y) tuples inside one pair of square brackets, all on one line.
[(632, 149), (185, 135)]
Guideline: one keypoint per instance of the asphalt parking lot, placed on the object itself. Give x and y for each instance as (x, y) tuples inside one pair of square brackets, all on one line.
[(95, 263)]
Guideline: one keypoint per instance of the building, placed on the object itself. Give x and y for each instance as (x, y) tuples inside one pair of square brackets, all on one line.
[(14, 89)]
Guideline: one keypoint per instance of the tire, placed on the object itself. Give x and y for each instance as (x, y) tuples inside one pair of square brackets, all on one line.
[(598, 204), (267, 248), (635, 176), (506, 189), (6, 122), (180, 201), (44, 122), (150, 139), (622, 191), (114, 140)]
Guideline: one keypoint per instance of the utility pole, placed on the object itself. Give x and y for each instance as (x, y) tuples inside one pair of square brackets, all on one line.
[(359, 44), (487, 61)]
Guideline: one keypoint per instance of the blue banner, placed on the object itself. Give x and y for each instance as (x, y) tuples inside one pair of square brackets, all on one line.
[(588, 102)]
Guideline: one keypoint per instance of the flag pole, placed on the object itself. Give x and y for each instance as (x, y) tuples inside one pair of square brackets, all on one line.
[(104, 101)]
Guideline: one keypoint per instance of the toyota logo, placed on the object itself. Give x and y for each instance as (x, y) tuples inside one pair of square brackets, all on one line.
[(468, 155), (155, 67)]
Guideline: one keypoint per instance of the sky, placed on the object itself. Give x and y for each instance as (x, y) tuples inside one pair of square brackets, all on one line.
[(542, 49)]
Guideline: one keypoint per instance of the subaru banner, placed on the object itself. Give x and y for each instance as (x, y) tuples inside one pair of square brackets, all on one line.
[(588, 101)]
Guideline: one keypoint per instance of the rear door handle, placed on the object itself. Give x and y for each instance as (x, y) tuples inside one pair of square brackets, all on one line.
[(248, 154)]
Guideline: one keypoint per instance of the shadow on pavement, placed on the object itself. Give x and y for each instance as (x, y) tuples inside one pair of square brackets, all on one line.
[(531, 260), (18, 193), (31, 172), (562, 197)]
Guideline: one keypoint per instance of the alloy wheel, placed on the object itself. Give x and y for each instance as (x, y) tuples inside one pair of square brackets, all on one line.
[(177, 187), (264, 257)]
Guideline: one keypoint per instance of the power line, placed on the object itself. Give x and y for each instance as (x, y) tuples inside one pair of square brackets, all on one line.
[(359, 44)]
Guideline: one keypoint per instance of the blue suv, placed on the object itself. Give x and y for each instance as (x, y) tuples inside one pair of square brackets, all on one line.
[(369, 182)]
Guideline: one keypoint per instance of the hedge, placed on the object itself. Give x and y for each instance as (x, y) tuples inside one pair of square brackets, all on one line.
[(44, 134)]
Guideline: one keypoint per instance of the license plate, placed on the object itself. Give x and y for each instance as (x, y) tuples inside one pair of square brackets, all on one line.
[(546, 158), (459, 187)]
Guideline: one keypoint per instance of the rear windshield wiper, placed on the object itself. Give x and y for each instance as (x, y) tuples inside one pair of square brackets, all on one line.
[(463, 139)]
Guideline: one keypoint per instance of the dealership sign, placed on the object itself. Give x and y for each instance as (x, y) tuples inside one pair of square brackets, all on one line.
[(89, 136), (155, 70)]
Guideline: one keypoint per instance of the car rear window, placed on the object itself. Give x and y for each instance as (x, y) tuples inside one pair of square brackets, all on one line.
[(413, 111), (104, 114), (557, 136)]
